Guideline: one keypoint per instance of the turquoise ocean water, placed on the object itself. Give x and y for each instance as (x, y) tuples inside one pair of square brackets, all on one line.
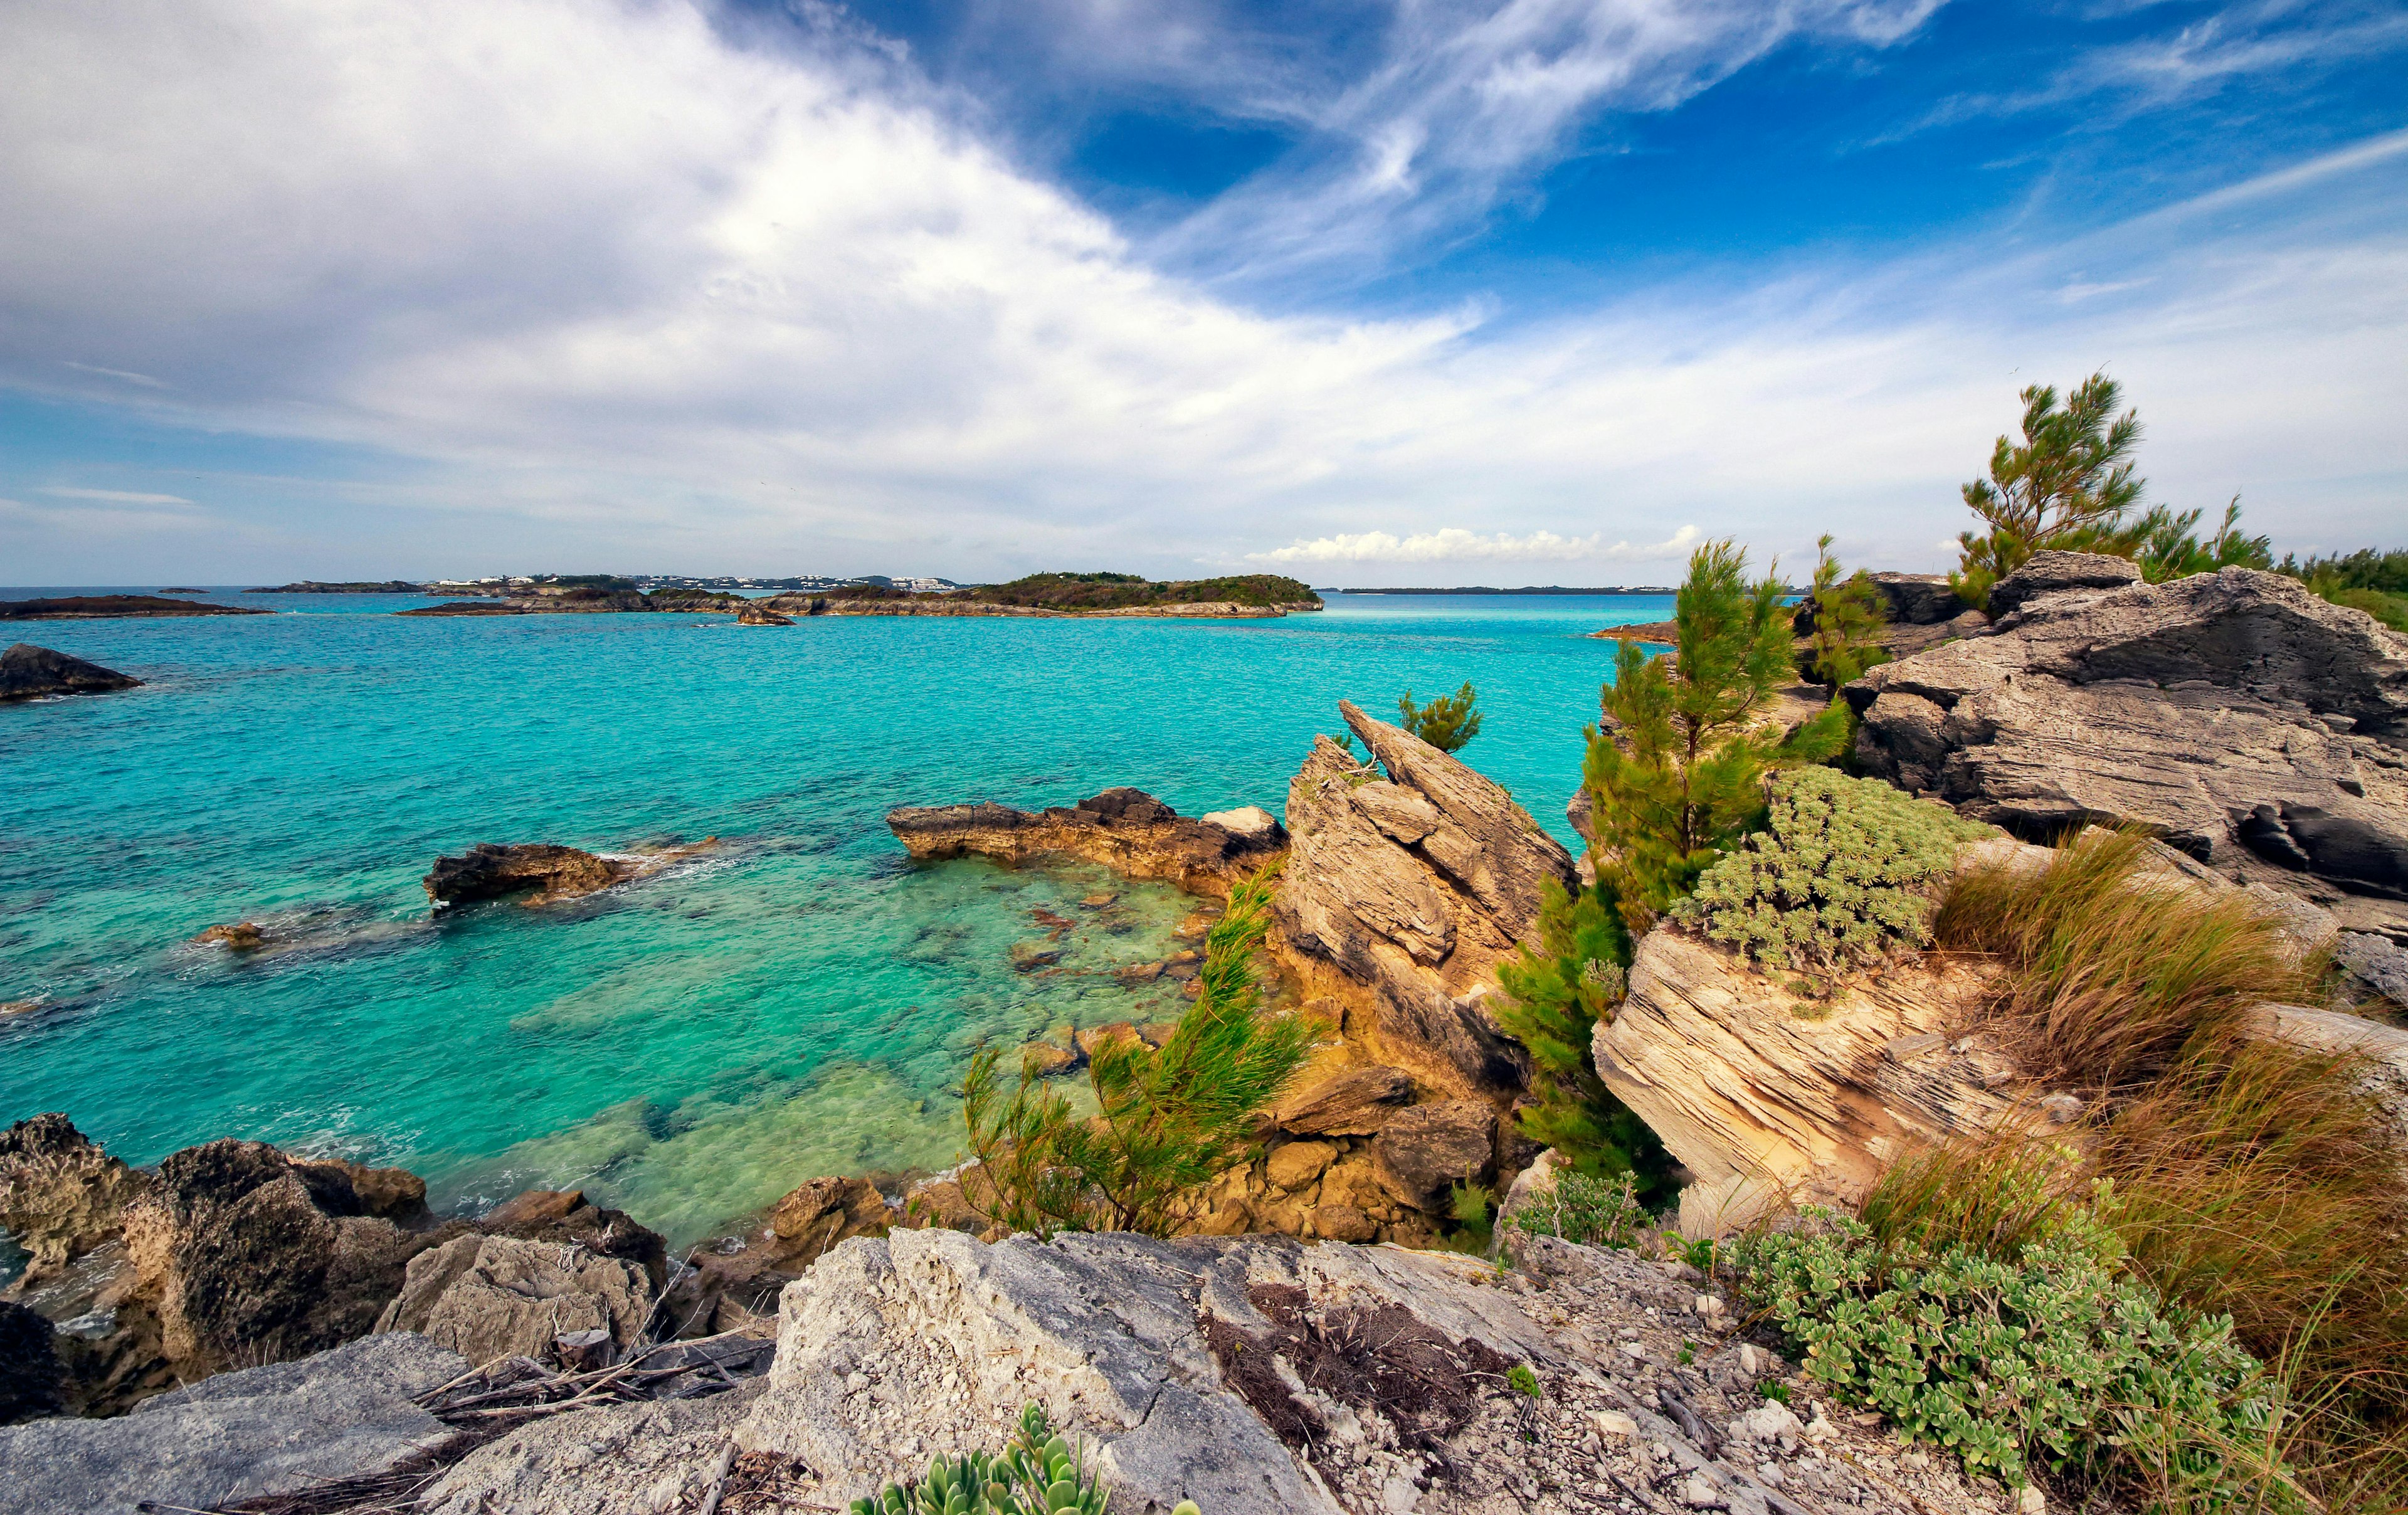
[(795, 1002)]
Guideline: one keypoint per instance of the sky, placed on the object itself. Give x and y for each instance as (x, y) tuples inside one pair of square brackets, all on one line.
[(1418, 292)]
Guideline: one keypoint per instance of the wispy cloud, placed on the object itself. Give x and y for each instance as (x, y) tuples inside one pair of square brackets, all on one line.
[(143, 379), (1453, 544), (116, 496)]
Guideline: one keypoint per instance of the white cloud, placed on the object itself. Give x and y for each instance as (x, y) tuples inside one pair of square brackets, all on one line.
[(118, 496), (1453, 544), (592, 272)]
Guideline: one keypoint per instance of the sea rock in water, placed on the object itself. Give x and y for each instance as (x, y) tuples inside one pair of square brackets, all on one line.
[(2055, 572), (490, 871), (1408, 879), (1127, 830), (2247, 722), (241, 937), (32, 1377), (491, 1298), (29, 672), (239, 1437), (753, 613)]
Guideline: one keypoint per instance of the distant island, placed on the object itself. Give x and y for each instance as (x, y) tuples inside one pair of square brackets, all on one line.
[(112, 607), (1246, 596)]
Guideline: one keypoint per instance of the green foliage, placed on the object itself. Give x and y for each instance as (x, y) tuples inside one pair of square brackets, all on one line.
[(1675, 769), (1166, 1121), (1774, 1390), (1849, 614), (2169, 547), (1037, 1473), (1523, 1382), (1447, 722), (2068, 485), (1557, 988), (1847, 873), (2374, 582), (2054, 1358), (1473, 1206), (1590, 1211)]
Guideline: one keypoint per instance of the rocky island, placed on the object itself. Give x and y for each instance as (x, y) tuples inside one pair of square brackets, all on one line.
[(29, 672), (1100, 595), (113, 608)]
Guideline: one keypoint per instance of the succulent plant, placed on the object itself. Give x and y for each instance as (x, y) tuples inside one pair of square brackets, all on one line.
[(1037, 1473)]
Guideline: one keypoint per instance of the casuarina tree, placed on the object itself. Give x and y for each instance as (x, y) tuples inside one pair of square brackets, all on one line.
[(2068, 484), (1447, 722)]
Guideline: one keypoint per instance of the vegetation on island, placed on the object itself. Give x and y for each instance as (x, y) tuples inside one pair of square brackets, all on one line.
[(1106, 592), (1447, 722), (1166, 1121)]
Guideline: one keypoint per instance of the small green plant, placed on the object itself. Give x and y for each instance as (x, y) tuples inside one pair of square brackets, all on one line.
[(1701, 1253), (1849, 614), (1848, 873), (1166, 1121), (1774, 1390), (1588, 1210), (1688, 1353), (1523, 1382), (1473, 1206), (1037, 1473), (1447, 722), (2056, 1358)]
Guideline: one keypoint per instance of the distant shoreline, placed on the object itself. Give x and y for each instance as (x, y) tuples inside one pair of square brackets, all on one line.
[(1531, 589)]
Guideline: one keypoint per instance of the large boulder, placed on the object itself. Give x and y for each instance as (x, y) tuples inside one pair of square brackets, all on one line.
[(549, 871), (1425, 1150), (28, 672), (1356, 1103), (243, 1435), (2055, 572), (1409, 878), (2242, 719), (1124, 829), (492, 1297)]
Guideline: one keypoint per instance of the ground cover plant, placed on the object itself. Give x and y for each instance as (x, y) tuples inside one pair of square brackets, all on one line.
[(1037, 1473), (1166, 1119), (1847, 872), (2239, 1181)]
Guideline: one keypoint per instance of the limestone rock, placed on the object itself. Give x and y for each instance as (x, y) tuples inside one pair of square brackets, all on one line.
[(239, 1437), (1759, 1093), (1425, 1150), (567, 1217), (2248, 724), (29, 672), (819, 1214), (2376, 965), (490, 871), (61, 1195), (114, 607), (1408, 879), (2055, 573), (1124, 829), (753, 613), (1299, 1164), (1356, 1103), (1919, 599), (491, 1298)]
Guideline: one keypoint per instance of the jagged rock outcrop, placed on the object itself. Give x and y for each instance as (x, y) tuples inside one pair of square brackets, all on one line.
[(61, 1197), (241, 1436), (1356, 1103), (1408, 878), (2055, 573), (737, 1282), (2245, 720), (753, 613), (492, 1297), (1124, 829), (545, 870), (29, 672), (1762, 1095)]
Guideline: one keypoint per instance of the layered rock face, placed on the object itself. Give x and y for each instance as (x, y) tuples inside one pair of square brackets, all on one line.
[(1124, 829), (29, 672), (2246, 721), (1408, 879)]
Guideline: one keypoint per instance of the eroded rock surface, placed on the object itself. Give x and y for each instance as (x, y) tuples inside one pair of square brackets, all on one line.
[(2245, 720), (492, 1297), (241, 1436), (1124, 829), (2055, 573), (29, 672), (1409, 877), (545, 870)]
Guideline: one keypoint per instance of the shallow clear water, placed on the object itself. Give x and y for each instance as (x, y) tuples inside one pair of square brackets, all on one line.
[(691, 1046)]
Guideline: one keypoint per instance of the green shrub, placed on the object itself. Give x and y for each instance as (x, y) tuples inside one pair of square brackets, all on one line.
[(1593, 1212), (2057, 1359), (1849, 614), (1846, 875), (1447, 722), (1037, 1473)]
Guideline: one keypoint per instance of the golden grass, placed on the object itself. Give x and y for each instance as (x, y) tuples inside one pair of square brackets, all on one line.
[(2249, 1179)]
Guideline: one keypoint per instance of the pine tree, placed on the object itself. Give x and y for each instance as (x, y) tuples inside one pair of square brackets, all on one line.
[(2068, 485), (1849, 614), (2170, 547), (1447, 722), (1166, 1121), (1675, 770)]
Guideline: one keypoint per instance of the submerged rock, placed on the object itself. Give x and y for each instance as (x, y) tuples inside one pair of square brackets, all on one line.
[(548, 870), (2247, 722), (29, 672), (1124, 829)]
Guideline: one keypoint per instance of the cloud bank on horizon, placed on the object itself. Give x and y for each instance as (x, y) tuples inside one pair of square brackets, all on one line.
[(341, 288)]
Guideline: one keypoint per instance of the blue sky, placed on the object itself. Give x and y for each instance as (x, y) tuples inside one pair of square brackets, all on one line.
[(1543, 291)]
